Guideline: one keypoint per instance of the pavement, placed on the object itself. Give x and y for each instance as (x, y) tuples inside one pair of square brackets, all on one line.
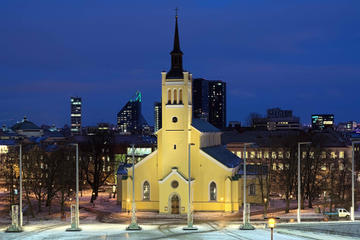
[(173, 230)]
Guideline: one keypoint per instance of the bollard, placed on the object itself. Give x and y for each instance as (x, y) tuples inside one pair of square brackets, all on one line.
[(14, 227)]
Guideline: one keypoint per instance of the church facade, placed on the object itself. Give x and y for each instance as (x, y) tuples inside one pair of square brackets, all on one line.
[(161, 179)]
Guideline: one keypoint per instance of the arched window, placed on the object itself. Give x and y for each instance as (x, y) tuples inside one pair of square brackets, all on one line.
[(146, 191), (180, 97), (212, 191), (169, 96), (175, 96)]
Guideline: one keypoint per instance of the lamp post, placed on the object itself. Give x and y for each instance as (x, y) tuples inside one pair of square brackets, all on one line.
[(75, 222), (189, 213), (20, 176), (133, 225), (299, 181), (16, 226), (246, 223), (353, 182)]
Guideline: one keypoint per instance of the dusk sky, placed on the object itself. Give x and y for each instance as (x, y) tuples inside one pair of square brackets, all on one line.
[(299, 55)]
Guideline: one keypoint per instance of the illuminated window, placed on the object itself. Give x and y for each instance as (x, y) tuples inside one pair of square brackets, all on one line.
[(146, 191), (252, 154), (259, 154), (333, 155), (281, 155), (169, 96), (212, 191), (323, 155), (175, 96), (281, 166), (341, 154), (303, 154), (266, 154), (311, 154), (273, 155), (180, 97), (287, 155), (238, 154), (274, 166)]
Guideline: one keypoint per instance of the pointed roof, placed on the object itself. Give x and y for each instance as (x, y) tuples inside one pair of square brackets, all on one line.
[(176, 70), (176, 48)]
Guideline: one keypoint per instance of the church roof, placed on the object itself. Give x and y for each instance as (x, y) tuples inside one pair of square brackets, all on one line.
[(221, 154), (122, 170), (25, 125), (203, 126)]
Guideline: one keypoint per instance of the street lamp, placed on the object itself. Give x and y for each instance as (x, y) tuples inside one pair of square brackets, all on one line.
[(133, 225), (353, 182), (15, 226), (75, 221), (246, 223), (189, 213), (299, 182)]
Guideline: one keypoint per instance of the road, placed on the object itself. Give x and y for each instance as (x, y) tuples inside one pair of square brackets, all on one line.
[(165, 230)]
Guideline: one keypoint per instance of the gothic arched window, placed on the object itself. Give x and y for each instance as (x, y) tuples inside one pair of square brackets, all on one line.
[(175, 96), (180, 97), (169, 96), (146, 191), (212, 191)]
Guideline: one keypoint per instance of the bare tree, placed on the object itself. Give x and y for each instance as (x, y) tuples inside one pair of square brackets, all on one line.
[(97, 160)]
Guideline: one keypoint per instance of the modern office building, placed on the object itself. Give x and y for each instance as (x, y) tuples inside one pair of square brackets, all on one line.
[(217, 104), (75, 115), (209, 101), (322, 121), (200, 93), (129, 119), (157, 116), (277, 119)]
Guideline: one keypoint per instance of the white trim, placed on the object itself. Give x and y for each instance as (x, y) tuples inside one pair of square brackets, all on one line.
[(174, 171), (174, 105), (216, 187), (174, 83), (145, 159), (215, 161)]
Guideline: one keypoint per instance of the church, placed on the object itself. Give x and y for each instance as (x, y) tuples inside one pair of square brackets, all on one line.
[(161, 178)]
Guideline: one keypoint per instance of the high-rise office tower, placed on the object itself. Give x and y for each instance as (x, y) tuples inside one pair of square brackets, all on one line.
[(217, 103), (157, 116), (209, 101), (75, 115), (200, 98), (130, 119)]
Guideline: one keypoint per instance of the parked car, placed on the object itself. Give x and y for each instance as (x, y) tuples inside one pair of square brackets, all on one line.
[(339, 213)]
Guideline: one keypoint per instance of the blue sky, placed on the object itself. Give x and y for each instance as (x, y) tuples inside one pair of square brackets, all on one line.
[(299, 55)]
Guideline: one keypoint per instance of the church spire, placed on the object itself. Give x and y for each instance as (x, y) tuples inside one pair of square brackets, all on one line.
[(176, 70)]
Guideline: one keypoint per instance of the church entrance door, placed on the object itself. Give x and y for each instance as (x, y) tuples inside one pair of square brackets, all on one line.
[(175, 209)]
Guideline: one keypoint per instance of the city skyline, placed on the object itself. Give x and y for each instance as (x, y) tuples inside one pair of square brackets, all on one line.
[(267, 54)]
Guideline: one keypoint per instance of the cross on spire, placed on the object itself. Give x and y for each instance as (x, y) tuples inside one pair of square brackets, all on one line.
[(176, 12)]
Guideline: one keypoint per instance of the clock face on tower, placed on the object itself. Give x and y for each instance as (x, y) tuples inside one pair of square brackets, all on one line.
[(174, 119)]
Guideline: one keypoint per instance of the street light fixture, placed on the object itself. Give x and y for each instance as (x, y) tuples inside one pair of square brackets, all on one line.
[(75, 221), (15, 226), (353, 182), (190, 213), (133, 225), (299, 181), (246, 223)]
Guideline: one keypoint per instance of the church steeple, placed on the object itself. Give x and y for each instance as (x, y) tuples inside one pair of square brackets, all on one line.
[(176, 70)]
